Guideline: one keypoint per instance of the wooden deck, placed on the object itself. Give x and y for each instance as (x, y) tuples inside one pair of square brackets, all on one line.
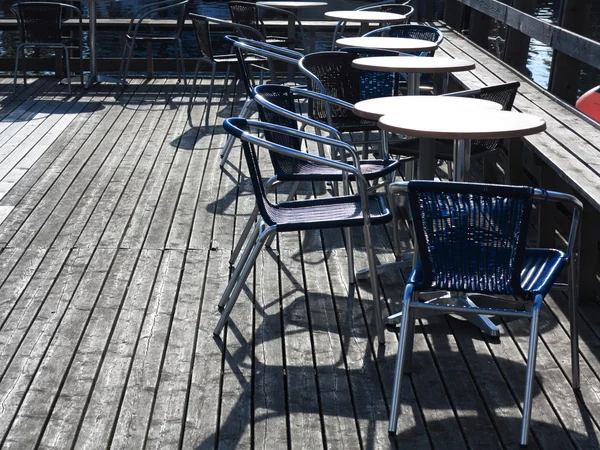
[(117, 226)]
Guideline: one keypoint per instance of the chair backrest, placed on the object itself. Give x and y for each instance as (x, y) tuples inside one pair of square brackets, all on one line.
[(201, 27), (283, 97), (396, 8), (174, 8), (501, 93), (244, 13), (374, 84), (39, 22), (331, 73), (238, 127), (412, 31), (471, 237)]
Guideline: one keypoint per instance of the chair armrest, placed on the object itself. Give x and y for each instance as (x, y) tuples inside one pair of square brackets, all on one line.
[(574, 232), (145, 12), (268, 50), (238, 27), (297, 117)]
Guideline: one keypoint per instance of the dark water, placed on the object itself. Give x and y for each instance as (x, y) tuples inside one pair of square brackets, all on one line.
[(540, 56)]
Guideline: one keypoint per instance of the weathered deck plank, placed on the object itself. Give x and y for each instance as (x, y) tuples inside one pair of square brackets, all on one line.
[(115, 251)]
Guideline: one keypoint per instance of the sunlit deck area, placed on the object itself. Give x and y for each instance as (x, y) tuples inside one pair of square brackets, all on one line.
[(117, 225)]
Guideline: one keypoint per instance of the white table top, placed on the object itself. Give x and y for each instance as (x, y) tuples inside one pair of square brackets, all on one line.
[(283, 4), (365, 16), (388, 43), (412, 64), (461, 124), (375, 108)]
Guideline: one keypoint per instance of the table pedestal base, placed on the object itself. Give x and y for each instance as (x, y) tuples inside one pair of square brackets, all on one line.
[(93, 79), (479, 320)]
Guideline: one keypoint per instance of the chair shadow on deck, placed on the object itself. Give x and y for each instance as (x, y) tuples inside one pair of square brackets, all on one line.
[(233, 426)]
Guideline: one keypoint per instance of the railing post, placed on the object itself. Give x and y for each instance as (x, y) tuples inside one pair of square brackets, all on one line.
[(479, 28), (565, 70), (453, 14), (516, 49)]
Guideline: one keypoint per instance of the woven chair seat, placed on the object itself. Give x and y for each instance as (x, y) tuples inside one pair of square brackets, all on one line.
[(300, 171), (318, 214)]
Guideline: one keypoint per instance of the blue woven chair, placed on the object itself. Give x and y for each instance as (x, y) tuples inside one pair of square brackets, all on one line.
[(346, 211), (471, 238)]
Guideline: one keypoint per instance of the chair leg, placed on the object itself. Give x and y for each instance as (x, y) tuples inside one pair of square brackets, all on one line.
[(181, 62), (531, 355), (406, 327), (194, 92), (265, 233), (374, 284), (244, 236), (245, 113), (573, 329), (210, 93), (127, 54), (250, 243), (20, 49), (66, 50)]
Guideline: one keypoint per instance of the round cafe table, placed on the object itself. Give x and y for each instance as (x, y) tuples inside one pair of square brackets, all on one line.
[(407, 45), (94, 76), (414, 66), (375, 108), (462, 126), (365, 17)]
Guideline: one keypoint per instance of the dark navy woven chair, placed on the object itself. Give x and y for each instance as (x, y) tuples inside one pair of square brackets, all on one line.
[(471, 238), (245, 49), (361, 210), (503, 94), (332, 73), (250, 14), (41, 26), (208, 57), (135, 34), (277, 104)]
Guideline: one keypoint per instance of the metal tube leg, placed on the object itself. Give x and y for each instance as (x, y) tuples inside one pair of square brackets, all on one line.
[(242, 279), (194, 92), (374, 285), (350, 255), (531, 355), (18, 55), (250, 243), (400, 359), (573, 300), (244, 236), (462, 158), (210, 92), (245, 113), (68, 68)]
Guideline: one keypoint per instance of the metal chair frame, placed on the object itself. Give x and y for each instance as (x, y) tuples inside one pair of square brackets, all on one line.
[(532, 272), (245, 48), (29, 35), (267, 224), (133, 35), (201, 25), (254, 21)]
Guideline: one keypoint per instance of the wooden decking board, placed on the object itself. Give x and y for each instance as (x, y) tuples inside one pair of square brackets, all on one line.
[(53, 184), (104, 203), (118, 249)]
